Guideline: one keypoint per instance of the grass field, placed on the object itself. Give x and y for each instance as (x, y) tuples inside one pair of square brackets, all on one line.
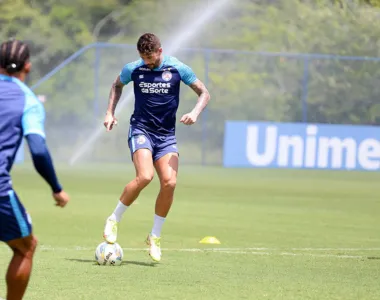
[(284, 235)]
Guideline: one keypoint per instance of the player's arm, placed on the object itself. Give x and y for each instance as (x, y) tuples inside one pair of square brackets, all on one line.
[(190, 79), (117, 87), (114, 97), (33, 127), (203, 98), (115, 94), (42, 161)]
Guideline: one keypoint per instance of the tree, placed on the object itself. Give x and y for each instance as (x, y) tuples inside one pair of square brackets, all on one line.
[(262, 85)]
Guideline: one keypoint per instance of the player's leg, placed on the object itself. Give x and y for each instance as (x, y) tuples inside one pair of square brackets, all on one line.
[(16, 231), (141, 150), (20, 267), (143, 162), (167, 169)]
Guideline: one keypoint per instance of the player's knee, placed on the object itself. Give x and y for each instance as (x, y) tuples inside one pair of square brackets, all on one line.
[(169, 183), (24, 247), (31, 246), (34, 243), (144, 179)]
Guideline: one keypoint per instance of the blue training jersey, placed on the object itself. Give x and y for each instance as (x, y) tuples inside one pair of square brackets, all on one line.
[(157, 93), (21, 113)]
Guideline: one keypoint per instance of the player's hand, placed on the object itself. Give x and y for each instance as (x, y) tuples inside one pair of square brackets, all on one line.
[(189, 119), (61, 198), (110, 121)]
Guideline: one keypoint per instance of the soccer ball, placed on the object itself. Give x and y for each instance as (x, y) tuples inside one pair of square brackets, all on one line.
[(109, 254)]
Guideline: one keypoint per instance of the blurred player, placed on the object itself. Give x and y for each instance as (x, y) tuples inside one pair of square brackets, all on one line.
[(152, 140), (21, 114)]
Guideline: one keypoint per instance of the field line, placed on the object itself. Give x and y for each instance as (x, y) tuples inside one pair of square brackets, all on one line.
[(246, 249), (259, 251)]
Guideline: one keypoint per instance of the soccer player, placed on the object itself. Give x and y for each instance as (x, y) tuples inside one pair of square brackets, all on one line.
[(21, 115), (152, 142)]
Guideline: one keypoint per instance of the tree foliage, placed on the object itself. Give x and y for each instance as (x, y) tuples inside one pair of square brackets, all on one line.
[(266, 84)]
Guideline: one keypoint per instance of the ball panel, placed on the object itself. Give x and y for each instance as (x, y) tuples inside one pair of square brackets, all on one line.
[(109, 254)]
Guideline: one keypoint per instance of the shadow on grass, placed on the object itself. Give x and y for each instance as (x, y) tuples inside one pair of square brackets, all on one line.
[(123, 263), (373, 257)]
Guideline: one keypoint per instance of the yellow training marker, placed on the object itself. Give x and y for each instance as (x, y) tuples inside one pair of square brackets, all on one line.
[(209, 240)]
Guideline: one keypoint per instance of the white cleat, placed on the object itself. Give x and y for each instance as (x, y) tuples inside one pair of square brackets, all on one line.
[(110, 231), (154, 247)]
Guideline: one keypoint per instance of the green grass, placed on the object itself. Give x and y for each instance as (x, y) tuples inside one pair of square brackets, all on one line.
[(284, 235)]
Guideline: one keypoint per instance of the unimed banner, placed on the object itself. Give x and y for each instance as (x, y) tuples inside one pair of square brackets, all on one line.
[(300, 145)]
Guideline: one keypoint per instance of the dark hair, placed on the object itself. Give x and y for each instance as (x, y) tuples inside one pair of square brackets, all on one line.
[(148, 43), (13, 56)]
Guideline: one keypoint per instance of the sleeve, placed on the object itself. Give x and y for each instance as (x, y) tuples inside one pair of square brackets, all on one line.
[(126, 75), (42, 161), (33, 118), (187, 74), (126, 72)]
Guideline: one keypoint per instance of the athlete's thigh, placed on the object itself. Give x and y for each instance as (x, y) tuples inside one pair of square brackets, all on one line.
[(15, 223), (143, 162), (167, 167), (165, 157), (141, 147)]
